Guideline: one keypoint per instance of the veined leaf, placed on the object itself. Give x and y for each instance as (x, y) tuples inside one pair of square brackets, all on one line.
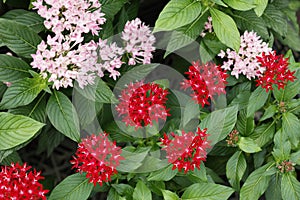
[(162, 174), (256, 183), (207, 191), (63, 115), (257, 99), (248, 145), (242, 5), (177, 13), (291, 127), (235, 169), (168, 195), (12, 68), (18, 38), (30, 19), (225, 29), (260, 7), (275, 19), (22, 92), (290, 187), (74, 187), (141, 191), (16, 129)]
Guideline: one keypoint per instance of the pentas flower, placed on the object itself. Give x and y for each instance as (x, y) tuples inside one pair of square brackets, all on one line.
[(205, 81), (186, 151), (276, 71), (17, 183), (74, 17), (139, 42), (207, 27), (98, 158), (244, 61), (141, 104)]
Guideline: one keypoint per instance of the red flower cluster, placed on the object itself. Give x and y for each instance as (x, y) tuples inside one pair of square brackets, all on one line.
[(141, 104), (98, 157), (186, 151), (205, 80), (17, 184), (276, 71)]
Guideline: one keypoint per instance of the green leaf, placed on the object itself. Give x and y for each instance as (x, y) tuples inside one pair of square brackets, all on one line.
[(18, 38), (141, 192), (220, 2), (282, 147), (225, 29), (123, 189), (98, 92), (162, 174), (22, 92), (248, 20), (12, 68), (256, 183), (292, 38), (242, 5), (270, 112), (16, 129), (63, 115), (291, 127), (289, 91), (295, 157), (133, 160), (111, 7), (207, 191), (191, 111), (113, 195), (12, 158), (257, 99), (74, 187), (290, 187), (116, 132), (274, 190), (263, 134), (30, 19), (244, 124), (235, 169), (260, 7), (177, 13), (219, 123), (168, 195), (187, 34), (198, 175), (275, 19), (248, 145)]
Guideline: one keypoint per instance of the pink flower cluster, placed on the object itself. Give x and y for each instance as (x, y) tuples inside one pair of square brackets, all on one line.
[(63, 58), (207, 27), (244, 61), (98, 157), (17, 183), (186, 151), (138, 42)]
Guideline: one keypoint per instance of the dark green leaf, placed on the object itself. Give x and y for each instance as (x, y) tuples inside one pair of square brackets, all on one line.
[(111, 7), (270, 112), (18, 38), (177, 13), (30, 19), (12, 158), (207, 191), (63, 115), (74, 187), (275, 19), (16, 129), (12, 68), (191, 111), (274, 190), (225, 29), (198, 175), (244, 124), (235, 169), (282, 147), (132, 161), (263, 134), (49, 140)]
